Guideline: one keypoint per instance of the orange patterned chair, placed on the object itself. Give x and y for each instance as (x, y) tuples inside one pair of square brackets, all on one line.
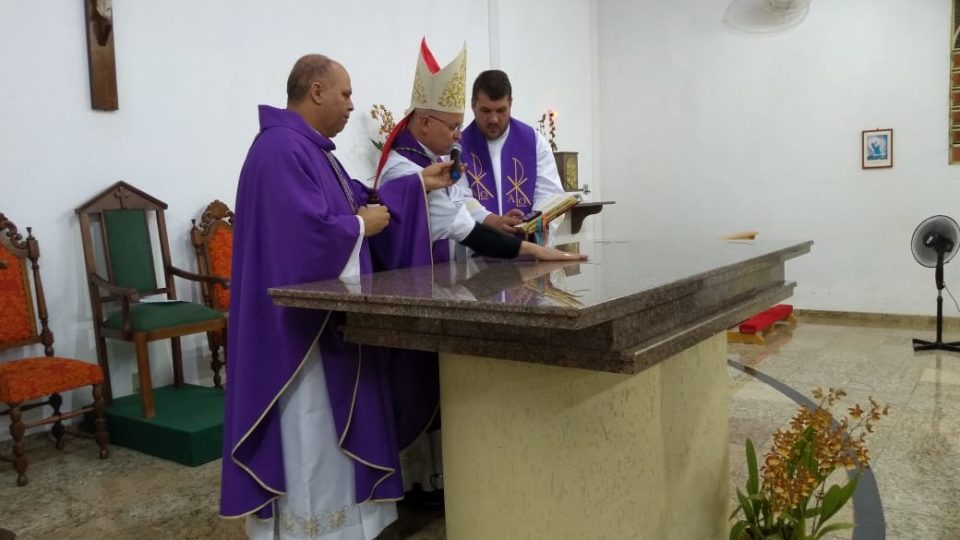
[(30, 383), (213, 241)]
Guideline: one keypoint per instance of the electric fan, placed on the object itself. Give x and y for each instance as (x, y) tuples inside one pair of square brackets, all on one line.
[(766, 16), (933, 244)]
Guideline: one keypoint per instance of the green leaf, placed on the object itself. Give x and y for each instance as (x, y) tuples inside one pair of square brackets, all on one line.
[(836, 497), (833, 527), (753, 477), (736, 532), (749, 514), (767, 513), (740, 506), (747, 507), (758, 500)]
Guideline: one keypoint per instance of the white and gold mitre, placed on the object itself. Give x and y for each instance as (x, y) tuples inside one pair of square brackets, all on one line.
[(440, 89)]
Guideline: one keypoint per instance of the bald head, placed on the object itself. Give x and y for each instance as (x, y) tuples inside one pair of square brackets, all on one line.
[(308, 70), (319, 90)]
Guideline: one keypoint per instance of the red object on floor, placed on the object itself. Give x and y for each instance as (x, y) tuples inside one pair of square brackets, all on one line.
[(765, 319)]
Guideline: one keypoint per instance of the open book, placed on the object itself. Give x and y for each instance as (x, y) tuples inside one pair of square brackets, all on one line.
[(554, 208)]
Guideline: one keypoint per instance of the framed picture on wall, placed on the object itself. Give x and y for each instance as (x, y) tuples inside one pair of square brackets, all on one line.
[(877, 148)]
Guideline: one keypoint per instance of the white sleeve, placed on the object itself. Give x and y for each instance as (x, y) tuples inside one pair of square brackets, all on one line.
[(548, 182), (461, 193), (351, 271), (398, 166), (449, 218), (548, 179)]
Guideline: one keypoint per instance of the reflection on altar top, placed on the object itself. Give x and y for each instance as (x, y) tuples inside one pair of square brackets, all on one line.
[(524, 284), (615, 272)]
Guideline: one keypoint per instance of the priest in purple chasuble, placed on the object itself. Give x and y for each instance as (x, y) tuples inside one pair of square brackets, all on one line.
[(510, 166), (313, 425)]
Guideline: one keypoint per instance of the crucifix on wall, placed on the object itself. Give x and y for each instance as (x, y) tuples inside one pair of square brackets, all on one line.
[(102, 64)]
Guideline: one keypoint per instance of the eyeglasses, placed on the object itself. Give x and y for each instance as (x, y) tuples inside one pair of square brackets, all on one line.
[(452, 126)]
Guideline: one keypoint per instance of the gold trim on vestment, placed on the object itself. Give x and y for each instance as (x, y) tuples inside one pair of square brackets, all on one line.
[(516, 181), (346, 430), (454, 92), (389, 470), (419, 95), (256, 424), (426, 209), (477, 179)]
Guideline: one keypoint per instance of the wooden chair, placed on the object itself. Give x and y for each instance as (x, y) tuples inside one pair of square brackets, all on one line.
[(34, 382), (212, 239), (116, 225)]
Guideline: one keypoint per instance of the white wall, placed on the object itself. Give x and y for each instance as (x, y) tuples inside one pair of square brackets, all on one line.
[(547, 49), (556, 54), (707, 131), (190, 75)]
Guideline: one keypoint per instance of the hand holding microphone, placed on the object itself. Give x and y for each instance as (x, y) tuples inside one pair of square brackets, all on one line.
[(437, 176), (455, 151)]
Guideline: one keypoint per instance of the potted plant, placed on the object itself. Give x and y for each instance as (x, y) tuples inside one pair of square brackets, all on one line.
[(384, 117), (566, 161), (788, 497)]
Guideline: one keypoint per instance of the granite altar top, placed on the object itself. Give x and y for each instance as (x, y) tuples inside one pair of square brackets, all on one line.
[(572, 295)]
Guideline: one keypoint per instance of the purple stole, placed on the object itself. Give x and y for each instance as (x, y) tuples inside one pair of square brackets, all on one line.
[(518, 167), (407, 146)]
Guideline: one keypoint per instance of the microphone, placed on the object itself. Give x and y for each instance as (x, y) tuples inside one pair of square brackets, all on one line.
[(455, 151)]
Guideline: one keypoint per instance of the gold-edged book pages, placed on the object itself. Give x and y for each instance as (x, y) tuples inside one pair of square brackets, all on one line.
[(554, 208)]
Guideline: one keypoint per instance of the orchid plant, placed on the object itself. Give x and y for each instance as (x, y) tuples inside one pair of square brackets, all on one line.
[(788, 497)]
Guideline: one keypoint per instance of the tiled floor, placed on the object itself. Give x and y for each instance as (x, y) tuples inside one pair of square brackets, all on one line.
[(916, 450)]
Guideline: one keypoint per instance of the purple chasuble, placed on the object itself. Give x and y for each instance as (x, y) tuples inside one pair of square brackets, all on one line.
[(407, 146), (403, 244), (296, 222), (518, 167)]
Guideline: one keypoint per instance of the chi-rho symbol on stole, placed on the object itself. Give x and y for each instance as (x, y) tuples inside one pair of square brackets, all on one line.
[(516, 194), (480, 191)]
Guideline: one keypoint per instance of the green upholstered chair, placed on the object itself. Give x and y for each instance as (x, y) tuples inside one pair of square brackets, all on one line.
[(115, 227)]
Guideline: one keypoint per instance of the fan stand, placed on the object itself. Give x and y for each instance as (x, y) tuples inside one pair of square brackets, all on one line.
[(923, 345)]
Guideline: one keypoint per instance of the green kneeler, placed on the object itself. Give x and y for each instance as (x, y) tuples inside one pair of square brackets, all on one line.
[(188, 427)]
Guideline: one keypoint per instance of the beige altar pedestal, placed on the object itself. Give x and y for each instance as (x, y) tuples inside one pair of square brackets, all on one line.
[(544, 452), (578, 402)]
